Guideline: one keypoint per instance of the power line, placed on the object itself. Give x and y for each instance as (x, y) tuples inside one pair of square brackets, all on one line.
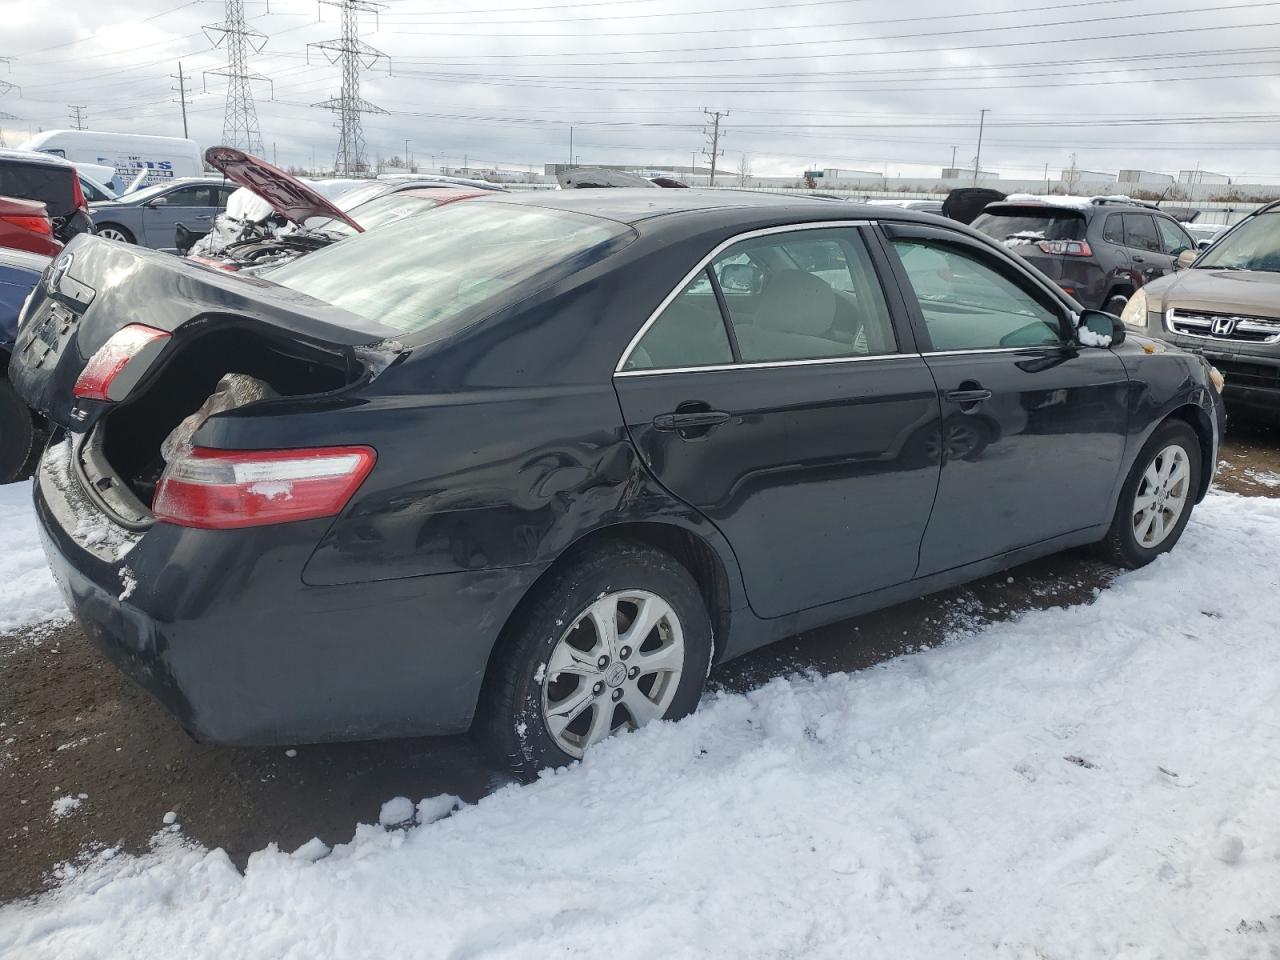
[(240, 116), (354, 54)]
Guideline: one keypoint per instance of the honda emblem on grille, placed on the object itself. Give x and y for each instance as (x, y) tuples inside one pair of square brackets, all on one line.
[(1223, 326)]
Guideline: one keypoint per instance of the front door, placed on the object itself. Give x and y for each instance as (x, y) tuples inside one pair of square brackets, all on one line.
[(193, 205), (776, 395), (1033, 425)]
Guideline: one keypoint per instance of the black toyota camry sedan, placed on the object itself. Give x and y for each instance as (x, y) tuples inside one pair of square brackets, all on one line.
[(531, 464)]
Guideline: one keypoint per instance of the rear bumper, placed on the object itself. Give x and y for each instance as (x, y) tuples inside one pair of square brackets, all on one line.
[(219, 627)]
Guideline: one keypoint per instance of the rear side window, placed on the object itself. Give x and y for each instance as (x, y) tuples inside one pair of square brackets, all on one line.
[(1021, 225), (690, 332), (45, 183), (1140, 232), (1113, 229)]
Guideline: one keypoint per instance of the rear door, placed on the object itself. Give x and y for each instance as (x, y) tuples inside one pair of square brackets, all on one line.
[(1033, 426), (776, 394), (1146, 253)]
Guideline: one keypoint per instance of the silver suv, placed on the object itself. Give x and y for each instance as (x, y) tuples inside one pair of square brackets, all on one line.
[(1225, 305)]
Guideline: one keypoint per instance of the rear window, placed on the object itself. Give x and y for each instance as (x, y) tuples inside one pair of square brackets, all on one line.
[(1014, 227), (45, 183), (460, 259)]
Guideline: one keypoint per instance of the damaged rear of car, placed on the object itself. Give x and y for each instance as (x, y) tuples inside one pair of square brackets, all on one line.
[(210, 433)]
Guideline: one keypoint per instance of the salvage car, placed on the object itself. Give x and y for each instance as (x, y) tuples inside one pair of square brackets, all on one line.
[(20, 429), (1099, 249), (531, 464), (26, 225), (1225, 307), (149, 216), (291, 218)]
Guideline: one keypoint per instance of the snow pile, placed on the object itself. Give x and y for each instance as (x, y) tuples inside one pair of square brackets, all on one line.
[(65, 804), (1092, 782), (1069, 201), (28, 593)]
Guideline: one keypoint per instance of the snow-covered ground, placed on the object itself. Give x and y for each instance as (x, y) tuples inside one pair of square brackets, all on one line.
[(1092, 782), (27, 592)]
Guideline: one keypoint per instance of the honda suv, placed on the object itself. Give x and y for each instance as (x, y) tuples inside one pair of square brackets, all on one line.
[(1098, 250), (1226, 307)]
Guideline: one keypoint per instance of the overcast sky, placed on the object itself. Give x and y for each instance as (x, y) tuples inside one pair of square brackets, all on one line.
[(860, 84)]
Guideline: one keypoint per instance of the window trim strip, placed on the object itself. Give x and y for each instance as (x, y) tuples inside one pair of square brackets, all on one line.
[(702, 265)]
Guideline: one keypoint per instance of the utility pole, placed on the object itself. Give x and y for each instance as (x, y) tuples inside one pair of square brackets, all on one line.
[(571, 145), (408, 164), (182, 95), (977, 158), (240, 117), (953, 157), (5, 87), (713, 136), (77, 116), (354, 55)]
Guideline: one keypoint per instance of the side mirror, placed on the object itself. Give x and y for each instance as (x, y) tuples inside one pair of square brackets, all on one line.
[(1098, 329), (158, 202), (1185, 259), (739, 278)]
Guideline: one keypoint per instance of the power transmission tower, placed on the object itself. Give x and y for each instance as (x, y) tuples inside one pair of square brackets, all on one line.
[(77, 115), (354, 55), (713, 137), (181, 91), (240, 118), (5, 87)]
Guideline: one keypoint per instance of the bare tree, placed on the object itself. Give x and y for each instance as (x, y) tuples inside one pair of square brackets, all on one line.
[(744, 171)]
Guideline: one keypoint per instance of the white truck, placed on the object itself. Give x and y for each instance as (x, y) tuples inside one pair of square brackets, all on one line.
[(137, 160)]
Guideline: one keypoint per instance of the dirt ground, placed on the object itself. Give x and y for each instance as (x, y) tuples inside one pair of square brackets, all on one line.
[(70, 724)]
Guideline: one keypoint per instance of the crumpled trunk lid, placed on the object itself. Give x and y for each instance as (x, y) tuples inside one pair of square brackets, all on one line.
[(96, 287)]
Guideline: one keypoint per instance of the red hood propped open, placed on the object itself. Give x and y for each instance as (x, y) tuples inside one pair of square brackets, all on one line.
[(288, 196)]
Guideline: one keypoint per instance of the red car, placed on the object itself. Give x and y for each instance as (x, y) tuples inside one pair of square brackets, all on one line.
[(25, 225)]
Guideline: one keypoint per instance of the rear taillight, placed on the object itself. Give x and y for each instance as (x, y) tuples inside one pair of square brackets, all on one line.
[(32, 224), (225, 489), (111, 360), (77, 195), (1066, 248)]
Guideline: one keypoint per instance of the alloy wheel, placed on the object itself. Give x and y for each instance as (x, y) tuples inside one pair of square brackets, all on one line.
[(1161, 496), (617, 666), (111, 233)]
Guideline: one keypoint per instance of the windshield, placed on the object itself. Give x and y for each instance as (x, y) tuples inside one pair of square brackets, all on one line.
[(1028, 226), (397, 206), (1254, 245), (418, 272)]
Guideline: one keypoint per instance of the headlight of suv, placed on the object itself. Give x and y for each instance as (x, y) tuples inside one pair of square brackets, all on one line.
[(1134, 313)]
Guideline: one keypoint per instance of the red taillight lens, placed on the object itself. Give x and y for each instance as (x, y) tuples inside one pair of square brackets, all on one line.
[(94, 382), (1066, 248), (226, 489), (77, 195), (33, 224)]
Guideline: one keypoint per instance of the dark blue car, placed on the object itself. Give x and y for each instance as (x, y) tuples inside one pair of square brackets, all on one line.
[(19, 272)]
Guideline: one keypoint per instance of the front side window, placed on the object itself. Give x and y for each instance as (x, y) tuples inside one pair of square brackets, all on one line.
[(968, 305), (1254, 245), (1140, 233), (189, 197), (1173, 237), (461, 258)]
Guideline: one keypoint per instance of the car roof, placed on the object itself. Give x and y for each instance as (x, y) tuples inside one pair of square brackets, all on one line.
[(32, 156), (633, 205)]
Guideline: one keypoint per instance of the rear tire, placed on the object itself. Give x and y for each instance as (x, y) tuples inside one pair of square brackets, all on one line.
[(113, 231), (18, 448), (1157, 497), (533, 717)]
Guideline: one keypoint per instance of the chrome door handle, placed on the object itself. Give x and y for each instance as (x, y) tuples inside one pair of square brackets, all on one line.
[(968, 396)]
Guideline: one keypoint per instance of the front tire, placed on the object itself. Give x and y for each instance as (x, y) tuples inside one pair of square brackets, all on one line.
[(1157, 497), (113, 231), (617, 638)]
